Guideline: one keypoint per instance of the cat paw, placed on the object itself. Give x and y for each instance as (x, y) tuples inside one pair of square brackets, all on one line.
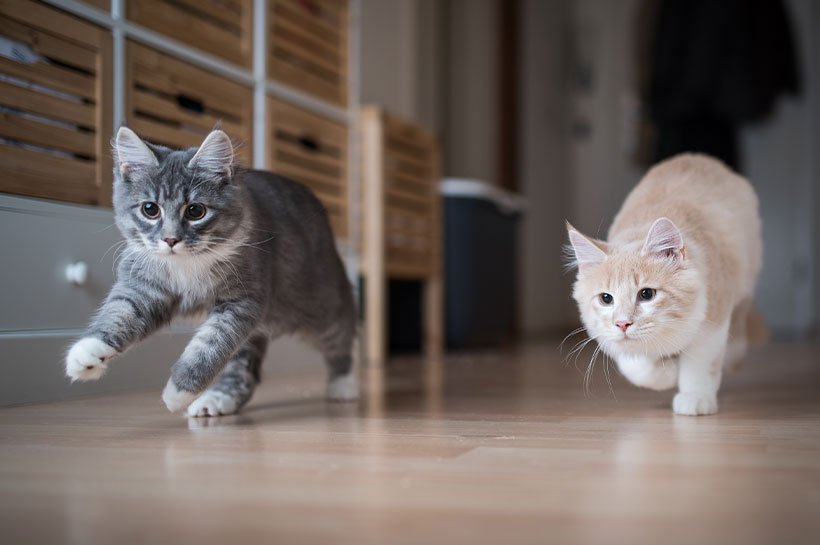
[(176, 399), (88, 359), (213, 403), (694, 404), (343, 388)]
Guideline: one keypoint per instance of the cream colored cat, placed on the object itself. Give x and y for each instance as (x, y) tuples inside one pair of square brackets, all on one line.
[(668, 296)]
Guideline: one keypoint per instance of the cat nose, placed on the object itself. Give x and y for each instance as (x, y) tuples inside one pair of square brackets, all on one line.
[(623, 325), (170, 241)]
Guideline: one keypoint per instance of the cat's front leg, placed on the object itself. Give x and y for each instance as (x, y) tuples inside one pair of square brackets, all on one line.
[(643, 371), (129, 314), (228, 325), (700, 372)]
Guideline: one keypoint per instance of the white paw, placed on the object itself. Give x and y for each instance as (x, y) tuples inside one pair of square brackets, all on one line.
[(694, 404), (176, 399), (343, 388), (213, 403), (87, 359)]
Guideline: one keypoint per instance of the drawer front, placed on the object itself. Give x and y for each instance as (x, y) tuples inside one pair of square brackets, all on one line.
[(40, 240), (55, 105), (219, 27), (173, 103), (308, 46), (311, 149)]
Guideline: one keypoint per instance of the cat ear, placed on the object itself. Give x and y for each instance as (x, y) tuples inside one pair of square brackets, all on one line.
[(215, 154), (131, 152), (664, 239), (585, 252)]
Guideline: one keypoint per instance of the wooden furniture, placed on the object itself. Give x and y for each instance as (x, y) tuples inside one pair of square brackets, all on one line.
[(401, 213), (223, 29), (312, 149), (307, 43), (55, 121), (173, 103)]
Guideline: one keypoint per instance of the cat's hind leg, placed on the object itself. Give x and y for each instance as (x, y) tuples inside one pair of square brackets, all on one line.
[(235, 384), (738, 341), (337, 346), (701, 367), (645, 372)]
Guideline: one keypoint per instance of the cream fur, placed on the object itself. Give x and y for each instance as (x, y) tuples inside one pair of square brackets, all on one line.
[(691, 231)]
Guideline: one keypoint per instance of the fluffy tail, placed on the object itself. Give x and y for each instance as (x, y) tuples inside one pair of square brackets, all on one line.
[(757, 332)]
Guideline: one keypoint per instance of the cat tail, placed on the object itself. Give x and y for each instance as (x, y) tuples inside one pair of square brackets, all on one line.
[(757, 331)]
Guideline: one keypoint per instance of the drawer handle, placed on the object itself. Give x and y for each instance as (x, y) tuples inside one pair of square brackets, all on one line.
[(310, 143), (77, 273), (190, 104)]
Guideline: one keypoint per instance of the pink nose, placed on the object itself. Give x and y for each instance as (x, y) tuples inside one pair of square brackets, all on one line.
[(623, 325)]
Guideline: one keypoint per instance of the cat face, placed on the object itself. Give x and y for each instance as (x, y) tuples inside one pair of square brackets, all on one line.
[(638, 299), (176, 204)]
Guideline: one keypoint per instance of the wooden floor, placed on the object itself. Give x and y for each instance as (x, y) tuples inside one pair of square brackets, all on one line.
[(493, 448)]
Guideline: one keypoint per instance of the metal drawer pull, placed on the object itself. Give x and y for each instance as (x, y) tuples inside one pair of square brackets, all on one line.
[(77, 273)]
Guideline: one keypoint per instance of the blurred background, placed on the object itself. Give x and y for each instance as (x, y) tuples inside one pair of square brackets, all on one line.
[(452, 137), (567, 103)]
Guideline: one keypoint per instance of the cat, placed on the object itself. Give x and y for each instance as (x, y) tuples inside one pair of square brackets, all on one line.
[(669, 294), (251, 249)]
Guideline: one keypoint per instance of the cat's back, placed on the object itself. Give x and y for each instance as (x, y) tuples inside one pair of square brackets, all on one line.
[(695, 191), (715, 209)]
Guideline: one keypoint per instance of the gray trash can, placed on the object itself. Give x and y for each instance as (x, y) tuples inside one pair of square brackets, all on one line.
[(480, 263)]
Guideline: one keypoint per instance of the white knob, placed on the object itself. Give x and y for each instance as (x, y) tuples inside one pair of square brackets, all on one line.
[(77, 273)]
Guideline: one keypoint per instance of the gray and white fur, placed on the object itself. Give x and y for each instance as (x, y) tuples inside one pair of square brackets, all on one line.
[(252, 250)]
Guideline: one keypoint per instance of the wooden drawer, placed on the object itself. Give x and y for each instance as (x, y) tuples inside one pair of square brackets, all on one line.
[(313, 150), (173, 103), (408, 157), (307, 44), (104, 5), (47, 238), (223, 28), (55, 105)]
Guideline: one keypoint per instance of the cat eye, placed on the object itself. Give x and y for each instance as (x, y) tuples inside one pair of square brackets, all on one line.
[(605, 298), (150, 210), (195, 211), (646, 294)]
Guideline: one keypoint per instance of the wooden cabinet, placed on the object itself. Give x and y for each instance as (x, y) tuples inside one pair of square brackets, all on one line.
[(222, 28), (401, 212), (308, 46), (55, 100), (176, 104), (311, 149)]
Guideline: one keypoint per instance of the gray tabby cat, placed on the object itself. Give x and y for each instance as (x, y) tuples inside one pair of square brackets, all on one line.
[(251, 249)]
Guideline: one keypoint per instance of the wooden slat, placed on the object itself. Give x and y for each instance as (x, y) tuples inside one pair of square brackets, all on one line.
[(420, 200), (325, 67), (36, 174), (166, 18), (420, 181), (49, 45), (317, 157), (33, 132), (407, 133), (303, 123), (217, 10), (164, 73), (294, 76), (46, 105), (172, 111), (56, 77), (316, 26), (166, 135), (417, 160), (104, 5), (307, 176), (322, 47), (54, 21)]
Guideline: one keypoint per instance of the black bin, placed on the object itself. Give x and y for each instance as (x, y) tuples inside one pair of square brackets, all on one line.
[(481, 263)]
